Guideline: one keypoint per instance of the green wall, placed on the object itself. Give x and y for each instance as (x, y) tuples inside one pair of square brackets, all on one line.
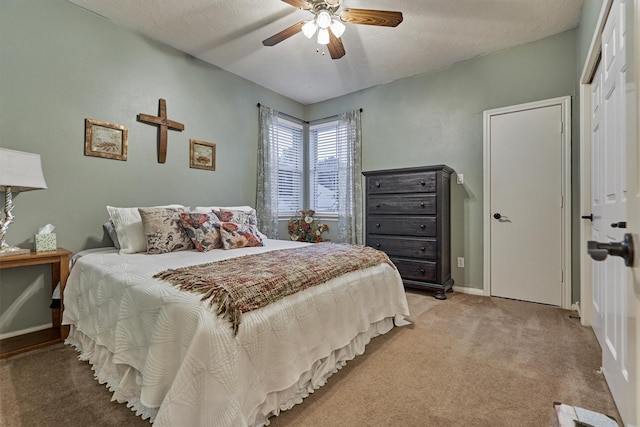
[(437, 117), (60, 64)]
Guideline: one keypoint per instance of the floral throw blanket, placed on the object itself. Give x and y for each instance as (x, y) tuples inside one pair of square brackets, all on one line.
[(243, 284)]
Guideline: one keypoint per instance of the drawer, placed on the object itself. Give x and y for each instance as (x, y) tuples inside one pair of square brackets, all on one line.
[(416, 270), (403, 246), (421, 226), (419, 204), (416, 182)]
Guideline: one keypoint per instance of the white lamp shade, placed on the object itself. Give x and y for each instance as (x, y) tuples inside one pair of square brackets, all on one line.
[(21, 171), (323, 36), (323, 19), (337, 28), (309, 29)]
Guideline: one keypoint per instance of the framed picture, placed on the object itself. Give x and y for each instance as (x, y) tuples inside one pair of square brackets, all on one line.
[(102, 139), (202, 155)]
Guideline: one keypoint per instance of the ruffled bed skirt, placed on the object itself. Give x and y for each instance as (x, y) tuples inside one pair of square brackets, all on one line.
[(124, 381)]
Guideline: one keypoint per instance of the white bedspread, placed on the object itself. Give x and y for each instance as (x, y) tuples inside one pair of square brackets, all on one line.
[(172, 359)]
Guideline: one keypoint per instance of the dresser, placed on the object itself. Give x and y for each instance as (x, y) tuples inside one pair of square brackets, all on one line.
[(408, 217)]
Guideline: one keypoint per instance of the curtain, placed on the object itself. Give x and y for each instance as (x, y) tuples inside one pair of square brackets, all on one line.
[(267, 188), (350, 168)]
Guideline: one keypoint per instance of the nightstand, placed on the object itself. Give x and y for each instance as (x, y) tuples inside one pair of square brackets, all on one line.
[(59, 260)]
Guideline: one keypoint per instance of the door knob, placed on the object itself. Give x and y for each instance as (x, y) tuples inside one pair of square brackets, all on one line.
[(621, 224), (589, 217), (497, 215), (599, 251)]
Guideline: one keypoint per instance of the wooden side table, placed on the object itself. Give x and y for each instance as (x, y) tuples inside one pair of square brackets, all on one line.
[(59, 260)]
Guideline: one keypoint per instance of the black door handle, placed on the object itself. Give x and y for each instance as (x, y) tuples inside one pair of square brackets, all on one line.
[(589, 217), (621, 224), (497, 215), (599, 251)]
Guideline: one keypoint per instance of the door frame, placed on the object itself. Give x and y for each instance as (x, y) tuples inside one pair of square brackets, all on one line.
[(565, 103), (588, 70)]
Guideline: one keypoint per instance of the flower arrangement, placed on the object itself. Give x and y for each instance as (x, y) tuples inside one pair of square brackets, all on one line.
[(306, 228)]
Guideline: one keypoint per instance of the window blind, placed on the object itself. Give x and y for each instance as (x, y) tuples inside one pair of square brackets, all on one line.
[(289, 142), (325, 150)]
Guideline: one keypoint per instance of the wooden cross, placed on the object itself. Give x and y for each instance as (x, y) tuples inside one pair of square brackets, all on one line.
[(163, 125)]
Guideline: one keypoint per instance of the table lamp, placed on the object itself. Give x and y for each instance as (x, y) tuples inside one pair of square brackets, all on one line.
[(19, 171)]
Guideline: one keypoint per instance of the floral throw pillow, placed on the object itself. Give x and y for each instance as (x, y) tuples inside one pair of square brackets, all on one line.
[(236, 236), (236, 216), (163, 231), (202, 229)]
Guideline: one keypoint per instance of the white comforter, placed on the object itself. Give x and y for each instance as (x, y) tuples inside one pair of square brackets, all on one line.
[(172, 359)]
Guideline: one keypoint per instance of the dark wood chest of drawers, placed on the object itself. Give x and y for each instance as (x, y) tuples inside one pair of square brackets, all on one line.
[(408, 217)]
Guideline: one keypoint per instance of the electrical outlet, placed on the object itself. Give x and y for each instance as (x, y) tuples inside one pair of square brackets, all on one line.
[(461, 262)]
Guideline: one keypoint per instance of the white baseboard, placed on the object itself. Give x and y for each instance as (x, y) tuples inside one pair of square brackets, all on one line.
[(25, 331), (468, 290)]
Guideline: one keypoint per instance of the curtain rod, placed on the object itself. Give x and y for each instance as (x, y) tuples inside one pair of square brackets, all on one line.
[(304, 121)]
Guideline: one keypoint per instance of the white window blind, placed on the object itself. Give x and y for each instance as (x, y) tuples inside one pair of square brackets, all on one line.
[(289, 137), (325, 149)]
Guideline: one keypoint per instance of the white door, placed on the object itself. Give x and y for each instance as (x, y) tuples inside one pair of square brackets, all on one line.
[(612, 286), (525, 153)]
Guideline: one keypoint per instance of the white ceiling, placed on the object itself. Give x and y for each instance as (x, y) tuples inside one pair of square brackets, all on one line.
[(433, 35)]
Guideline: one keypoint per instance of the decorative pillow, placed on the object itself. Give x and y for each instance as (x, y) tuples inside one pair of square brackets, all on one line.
[(202, 229), (236, 216), (163, 230), (129, 229), (236, 236), (208, 209), (110, 231)]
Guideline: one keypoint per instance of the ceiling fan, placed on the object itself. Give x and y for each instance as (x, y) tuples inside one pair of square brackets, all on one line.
[(328, 23)]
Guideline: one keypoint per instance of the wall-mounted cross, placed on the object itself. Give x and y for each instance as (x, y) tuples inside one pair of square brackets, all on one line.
[(163, 125)]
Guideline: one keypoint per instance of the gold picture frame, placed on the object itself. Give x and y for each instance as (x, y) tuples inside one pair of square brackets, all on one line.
[(202, 155), (107, 140)]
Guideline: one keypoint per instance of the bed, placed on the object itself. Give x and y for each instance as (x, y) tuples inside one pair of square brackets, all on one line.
[(166, 353)]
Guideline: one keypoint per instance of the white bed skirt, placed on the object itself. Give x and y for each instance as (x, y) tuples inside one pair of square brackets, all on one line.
[(124, 381)]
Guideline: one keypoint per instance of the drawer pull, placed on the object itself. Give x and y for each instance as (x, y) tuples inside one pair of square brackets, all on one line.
[(377, 205), (378, 245), (377, 184), (422, 248), (378, 225), (422, 270), (422, 183), (422, 204), (422, 226)]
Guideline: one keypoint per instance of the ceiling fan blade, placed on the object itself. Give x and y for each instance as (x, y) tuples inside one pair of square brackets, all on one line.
[(384, 18), (284, 34), (336, 49), (300, 4)]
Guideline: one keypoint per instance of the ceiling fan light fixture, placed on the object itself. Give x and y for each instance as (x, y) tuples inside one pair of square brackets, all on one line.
[(323, 19), (309, 29), (337, 28), (323, 36)]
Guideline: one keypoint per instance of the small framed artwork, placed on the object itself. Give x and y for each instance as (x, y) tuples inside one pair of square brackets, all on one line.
[(202, 155), (102, 139)]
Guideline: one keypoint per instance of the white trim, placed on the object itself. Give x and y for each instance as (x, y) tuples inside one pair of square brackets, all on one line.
[(25, 331), (565, 103), (586, 78), (468, 290)]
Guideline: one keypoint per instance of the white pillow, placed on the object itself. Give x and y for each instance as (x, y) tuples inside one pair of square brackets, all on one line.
[(129, 228)]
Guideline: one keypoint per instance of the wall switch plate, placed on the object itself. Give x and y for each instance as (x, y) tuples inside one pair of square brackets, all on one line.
[(460, 178), (461, 262)]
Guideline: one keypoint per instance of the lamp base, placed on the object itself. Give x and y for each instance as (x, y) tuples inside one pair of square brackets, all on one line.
[(12, 250)]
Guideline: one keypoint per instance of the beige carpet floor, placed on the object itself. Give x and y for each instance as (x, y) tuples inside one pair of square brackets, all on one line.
[(466, 361)]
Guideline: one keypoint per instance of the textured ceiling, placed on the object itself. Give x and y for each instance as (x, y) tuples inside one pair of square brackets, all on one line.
[(434, 34)]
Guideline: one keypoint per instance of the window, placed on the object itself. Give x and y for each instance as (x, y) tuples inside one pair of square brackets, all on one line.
[(314, 183), (290, 144), (324, 153)]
